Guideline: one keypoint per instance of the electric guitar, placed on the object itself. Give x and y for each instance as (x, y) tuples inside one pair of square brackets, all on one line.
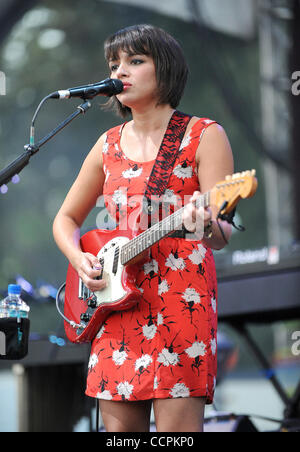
[(119, 253)]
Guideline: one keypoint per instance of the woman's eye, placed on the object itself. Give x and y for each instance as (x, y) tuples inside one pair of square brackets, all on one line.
[(136, 61), (114, 67)]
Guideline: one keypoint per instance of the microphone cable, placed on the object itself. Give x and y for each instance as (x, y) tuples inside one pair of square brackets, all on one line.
[(32, 127)]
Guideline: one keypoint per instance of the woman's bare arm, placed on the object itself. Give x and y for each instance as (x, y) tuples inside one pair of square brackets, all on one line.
[(215, 162), (80, 200)]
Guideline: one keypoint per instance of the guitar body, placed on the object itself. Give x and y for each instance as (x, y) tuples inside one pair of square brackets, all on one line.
[(90, 310)]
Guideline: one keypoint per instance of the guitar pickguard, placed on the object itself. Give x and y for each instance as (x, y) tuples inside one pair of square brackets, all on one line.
[(109, 257)]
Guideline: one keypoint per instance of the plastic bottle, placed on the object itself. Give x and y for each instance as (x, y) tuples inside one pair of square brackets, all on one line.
[(13, 305)]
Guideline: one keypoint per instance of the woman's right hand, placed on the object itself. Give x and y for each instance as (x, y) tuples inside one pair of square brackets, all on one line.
[(88, 268)]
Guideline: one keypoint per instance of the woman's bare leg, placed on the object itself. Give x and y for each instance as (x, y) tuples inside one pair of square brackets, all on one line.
[(179, 415), (126, 416)]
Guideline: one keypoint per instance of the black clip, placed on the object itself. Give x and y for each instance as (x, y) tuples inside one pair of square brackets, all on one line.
[(229, 217)]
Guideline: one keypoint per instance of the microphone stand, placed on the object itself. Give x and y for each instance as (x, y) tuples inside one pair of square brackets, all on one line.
[(14, 168)]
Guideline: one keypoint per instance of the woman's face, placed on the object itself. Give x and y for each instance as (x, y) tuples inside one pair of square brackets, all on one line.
[(137, 72)]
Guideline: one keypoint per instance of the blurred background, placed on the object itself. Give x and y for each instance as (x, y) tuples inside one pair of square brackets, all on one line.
[(244, 61)]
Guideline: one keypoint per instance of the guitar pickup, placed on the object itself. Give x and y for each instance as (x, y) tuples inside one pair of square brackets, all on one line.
[(83, 292), (101, 261), (116, 261)]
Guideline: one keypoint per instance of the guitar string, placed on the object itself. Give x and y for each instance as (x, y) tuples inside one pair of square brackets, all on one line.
[(165, 227), (168, 222)]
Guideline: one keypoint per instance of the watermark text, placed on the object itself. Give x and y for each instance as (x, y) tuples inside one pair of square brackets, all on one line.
[(296, 344), (160, 213)]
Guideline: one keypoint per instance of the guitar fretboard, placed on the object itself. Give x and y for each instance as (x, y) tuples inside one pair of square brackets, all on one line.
[(157, 232)]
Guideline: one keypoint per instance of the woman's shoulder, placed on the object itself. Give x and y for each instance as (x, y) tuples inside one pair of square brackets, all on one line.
[(115, 130), (201, 122), (211, 127)]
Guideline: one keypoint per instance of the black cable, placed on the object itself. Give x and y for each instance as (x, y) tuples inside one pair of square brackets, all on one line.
[(35, 116), (229, 218)]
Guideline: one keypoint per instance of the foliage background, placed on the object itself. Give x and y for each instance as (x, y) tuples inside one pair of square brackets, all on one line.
[(59, 44)]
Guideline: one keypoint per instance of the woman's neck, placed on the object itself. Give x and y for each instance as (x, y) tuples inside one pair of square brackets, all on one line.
[(151, 119)]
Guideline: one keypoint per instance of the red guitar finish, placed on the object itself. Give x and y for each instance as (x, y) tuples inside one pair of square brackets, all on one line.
[(93, 242)]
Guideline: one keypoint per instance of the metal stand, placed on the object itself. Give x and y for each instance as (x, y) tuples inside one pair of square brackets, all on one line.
[(17, 165)]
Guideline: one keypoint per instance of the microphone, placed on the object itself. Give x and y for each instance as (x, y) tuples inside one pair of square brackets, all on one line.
[(108, 87)]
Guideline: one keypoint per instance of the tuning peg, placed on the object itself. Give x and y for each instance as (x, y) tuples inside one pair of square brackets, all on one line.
[(228, 178)]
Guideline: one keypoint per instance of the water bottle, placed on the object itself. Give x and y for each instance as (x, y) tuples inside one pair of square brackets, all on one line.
[(13, 305)]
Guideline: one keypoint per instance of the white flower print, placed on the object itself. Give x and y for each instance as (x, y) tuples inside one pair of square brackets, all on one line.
[(180, 390), (125, 389), (175, 263), (104, 395), (214, 304), (191, 294), (105, 146), (183, 172), (166, 358), (93, 361), (196, 349), (198, 255), (119, 357), (107, 175), (149, 331), (213, 346), (186, 141), (163, 287), (119, 197), (144, 361), (155, 383), (130, 173), (151, 266), (160, 319), (169, 197)]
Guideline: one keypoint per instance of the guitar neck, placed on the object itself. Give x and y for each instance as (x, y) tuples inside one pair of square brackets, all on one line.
[(162, 229)]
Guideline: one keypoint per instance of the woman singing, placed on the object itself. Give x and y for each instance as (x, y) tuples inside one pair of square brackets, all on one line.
[(162, 352)]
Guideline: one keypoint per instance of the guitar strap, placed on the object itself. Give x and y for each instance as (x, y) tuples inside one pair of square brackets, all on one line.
[(165, 160)]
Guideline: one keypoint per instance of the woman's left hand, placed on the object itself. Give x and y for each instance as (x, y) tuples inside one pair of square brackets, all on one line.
[(196, 219)]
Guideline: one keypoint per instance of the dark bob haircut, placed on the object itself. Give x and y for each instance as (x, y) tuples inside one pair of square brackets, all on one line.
[(170, 64)]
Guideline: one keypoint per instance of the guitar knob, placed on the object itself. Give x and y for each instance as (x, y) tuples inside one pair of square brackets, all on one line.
[(92, 303), (85, 317)]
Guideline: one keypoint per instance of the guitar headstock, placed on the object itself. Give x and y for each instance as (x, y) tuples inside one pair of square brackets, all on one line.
[(228, 192)]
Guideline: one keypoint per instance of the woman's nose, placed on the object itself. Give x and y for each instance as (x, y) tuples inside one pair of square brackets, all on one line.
[(122, 70)]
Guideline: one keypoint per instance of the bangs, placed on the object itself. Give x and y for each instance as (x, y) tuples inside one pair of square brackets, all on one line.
[(128, 40)]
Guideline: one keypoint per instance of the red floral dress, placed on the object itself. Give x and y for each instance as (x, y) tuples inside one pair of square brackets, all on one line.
[(166, 346)]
